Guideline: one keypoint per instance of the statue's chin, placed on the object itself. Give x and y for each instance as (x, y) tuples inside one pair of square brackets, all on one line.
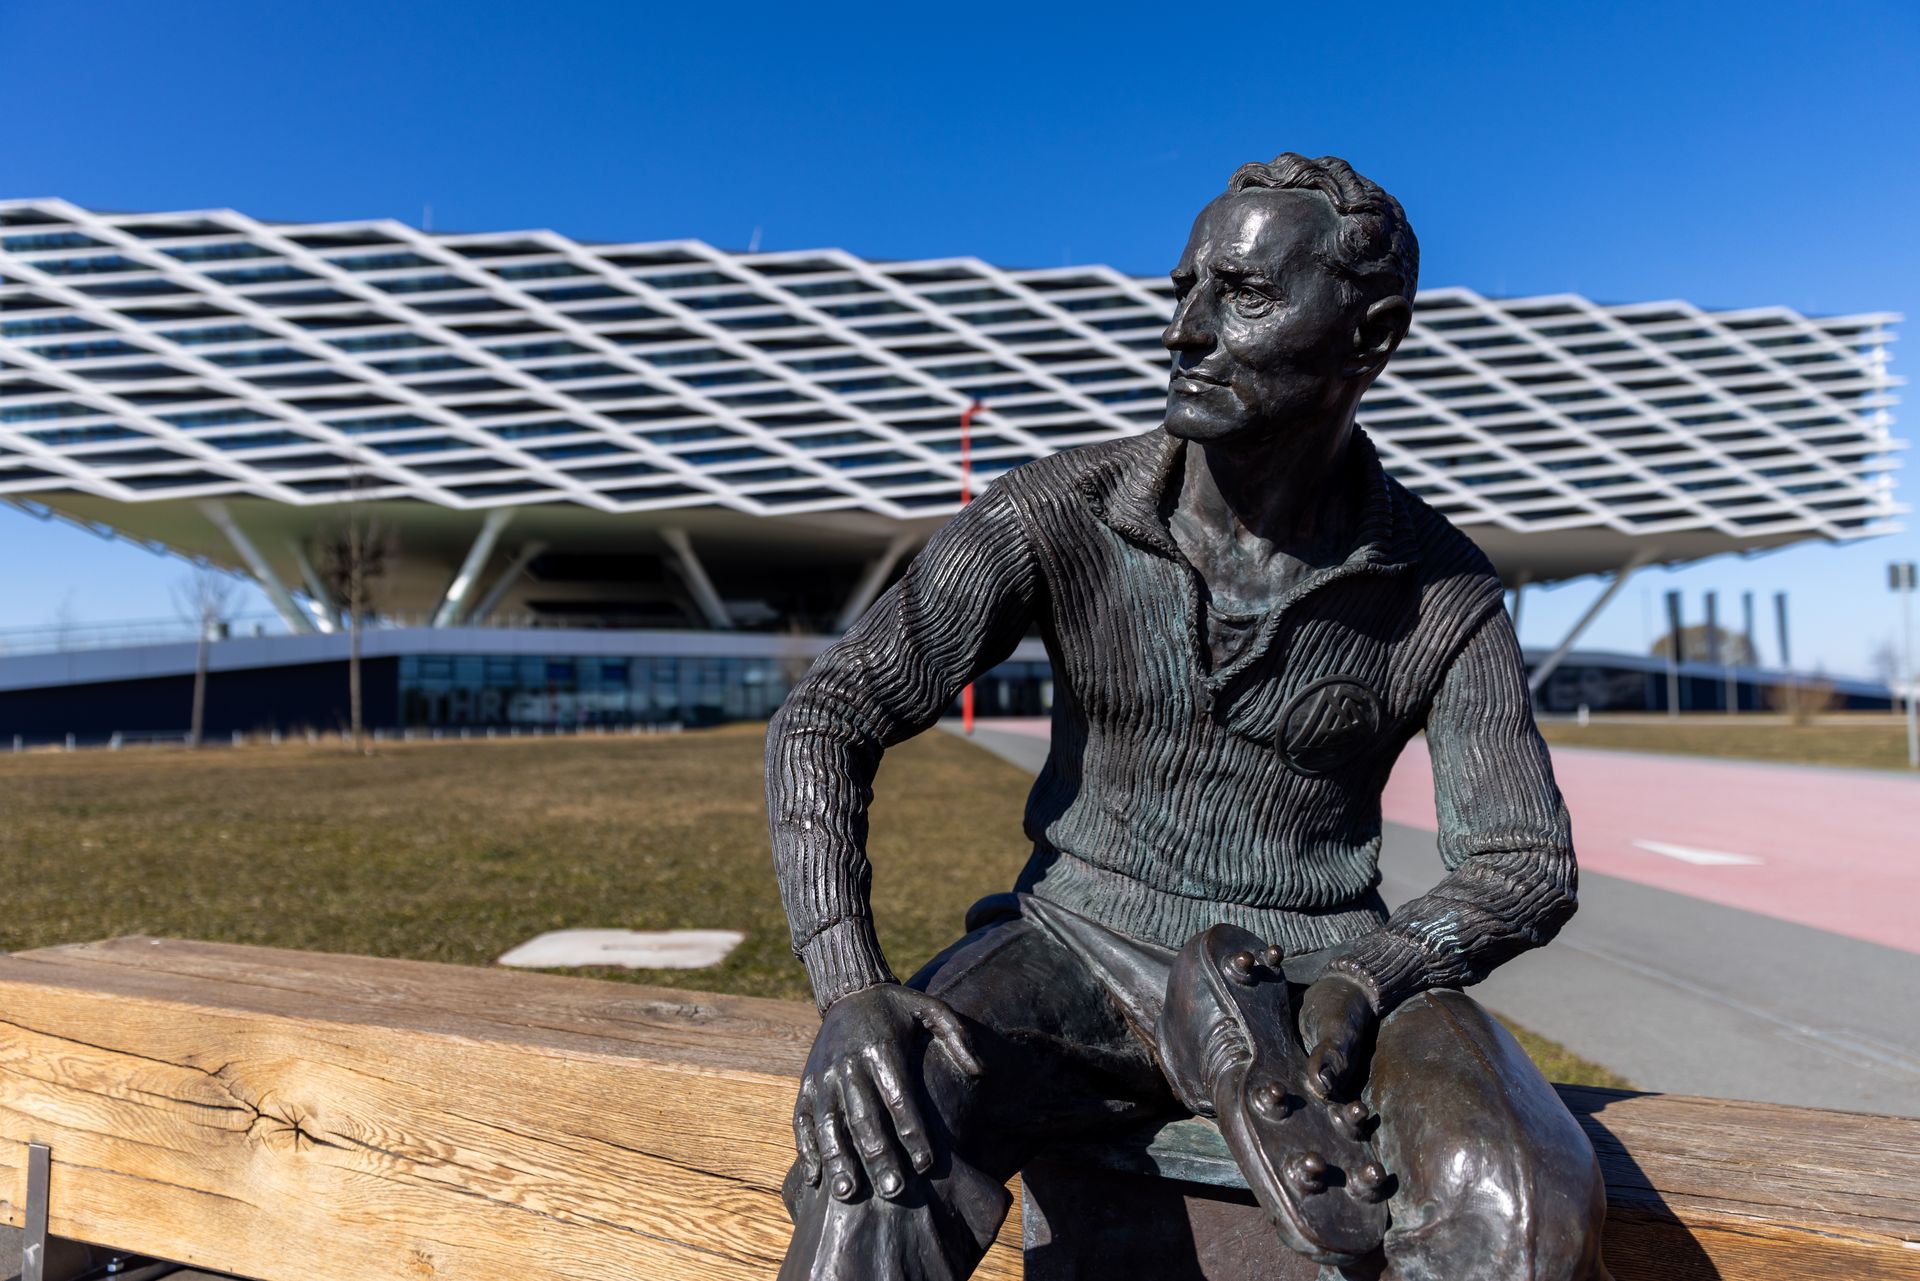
[(1183, 421)]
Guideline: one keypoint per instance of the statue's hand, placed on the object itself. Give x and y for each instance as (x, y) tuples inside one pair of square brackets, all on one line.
[(858, 1106), (1337, 1024)]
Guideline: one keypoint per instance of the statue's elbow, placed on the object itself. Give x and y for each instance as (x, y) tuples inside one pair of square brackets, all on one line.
[(1559, 900)]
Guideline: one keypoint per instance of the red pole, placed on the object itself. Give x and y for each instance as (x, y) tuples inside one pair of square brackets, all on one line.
[(966, 496), (966, 453)]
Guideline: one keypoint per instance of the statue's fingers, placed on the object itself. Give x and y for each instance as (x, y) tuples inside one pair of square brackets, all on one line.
[(1327, 1070), (952, 1037), (839, 1168), (890, 1078), (867, 1118), (804, 1141)]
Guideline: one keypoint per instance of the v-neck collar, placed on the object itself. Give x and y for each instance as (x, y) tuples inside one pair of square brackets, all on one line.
[(1130, 503)]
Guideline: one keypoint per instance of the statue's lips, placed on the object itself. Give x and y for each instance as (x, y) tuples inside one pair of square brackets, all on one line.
[(1191, 380)]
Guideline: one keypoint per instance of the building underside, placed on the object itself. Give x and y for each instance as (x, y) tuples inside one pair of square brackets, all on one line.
[(563, 565), (551, 565)]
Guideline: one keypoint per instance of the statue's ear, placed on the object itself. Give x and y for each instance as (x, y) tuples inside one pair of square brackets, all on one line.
[(1381, 327)]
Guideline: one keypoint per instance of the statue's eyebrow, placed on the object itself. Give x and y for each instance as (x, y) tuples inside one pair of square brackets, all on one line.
[(1238, 270)]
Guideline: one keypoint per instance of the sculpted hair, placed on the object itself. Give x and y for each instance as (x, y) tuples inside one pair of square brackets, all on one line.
[(1378, 250)]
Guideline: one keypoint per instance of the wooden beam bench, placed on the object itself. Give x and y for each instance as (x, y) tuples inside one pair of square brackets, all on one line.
[(300, 1117)]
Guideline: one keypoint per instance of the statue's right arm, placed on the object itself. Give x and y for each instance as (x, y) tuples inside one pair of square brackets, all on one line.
[(960, 608), (962, 605)]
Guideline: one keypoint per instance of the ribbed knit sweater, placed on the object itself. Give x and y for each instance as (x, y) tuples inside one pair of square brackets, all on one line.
[(1176, 796)]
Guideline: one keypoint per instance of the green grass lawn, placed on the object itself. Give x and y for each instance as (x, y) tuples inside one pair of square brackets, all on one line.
[(1866, 740), (458, 851)]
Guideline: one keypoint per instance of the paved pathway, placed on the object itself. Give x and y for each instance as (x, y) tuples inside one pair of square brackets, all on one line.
[(1831, 848), (1669, 975)]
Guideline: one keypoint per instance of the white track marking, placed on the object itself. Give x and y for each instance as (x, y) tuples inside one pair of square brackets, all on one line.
[(1698, 857)]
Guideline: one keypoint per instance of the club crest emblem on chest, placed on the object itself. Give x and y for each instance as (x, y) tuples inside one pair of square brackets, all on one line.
[(1327, 724)]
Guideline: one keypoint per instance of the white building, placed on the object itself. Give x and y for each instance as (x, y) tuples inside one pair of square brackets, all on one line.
[(669, 435)]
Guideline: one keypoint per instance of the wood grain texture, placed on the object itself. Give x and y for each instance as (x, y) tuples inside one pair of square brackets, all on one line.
[(290, 1115), (1712, 1188), (1698, 1190)]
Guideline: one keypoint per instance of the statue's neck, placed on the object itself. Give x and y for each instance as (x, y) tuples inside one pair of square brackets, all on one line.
[(1289, 490)]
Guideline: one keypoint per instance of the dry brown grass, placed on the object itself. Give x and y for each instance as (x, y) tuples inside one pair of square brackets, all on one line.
[(458, 851), (1865, 740)]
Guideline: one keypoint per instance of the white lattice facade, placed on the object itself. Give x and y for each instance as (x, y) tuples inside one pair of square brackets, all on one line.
[(149, 360)]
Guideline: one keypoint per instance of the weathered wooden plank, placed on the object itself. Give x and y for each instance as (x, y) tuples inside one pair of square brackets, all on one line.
[(1713, 1188), (290, 1116), (1698, 1190), (280, 1114)]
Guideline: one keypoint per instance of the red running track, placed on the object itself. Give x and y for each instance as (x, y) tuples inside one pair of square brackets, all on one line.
[(1835, 849)]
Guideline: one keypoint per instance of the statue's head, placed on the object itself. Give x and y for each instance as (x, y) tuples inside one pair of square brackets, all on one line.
[(1295, 287)]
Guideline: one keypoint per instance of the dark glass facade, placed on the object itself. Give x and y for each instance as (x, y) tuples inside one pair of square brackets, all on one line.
[(486, 691), (1014, 689), (1627, 685), (476, 693), (440, 691)]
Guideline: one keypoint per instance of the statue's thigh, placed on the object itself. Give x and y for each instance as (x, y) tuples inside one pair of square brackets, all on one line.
[(1041, 1026), (1496, 1179), (1060, 1059)]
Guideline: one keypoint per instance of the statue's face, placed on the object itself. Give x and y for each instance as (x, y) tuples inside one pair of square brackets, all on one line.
[(1264, 334)]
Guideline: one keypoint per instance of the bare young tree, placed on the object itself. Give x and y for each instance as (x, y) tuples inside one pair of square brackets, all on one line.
[(1884, 662), (204, 598), (1803, 698), (66, 623), (352, 560)]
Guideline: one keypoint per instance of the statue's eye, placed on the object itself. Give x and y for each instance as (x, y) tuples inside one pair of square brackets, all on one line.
[(1250, 300)]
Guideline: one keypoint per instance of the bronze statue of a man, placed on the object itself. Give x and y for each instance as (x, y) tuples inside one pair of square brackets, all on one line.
[(1247, 620)]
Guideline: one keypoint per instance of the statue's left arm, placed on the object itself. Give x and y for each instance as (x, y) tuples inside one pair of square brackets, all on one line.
[(962, 605), (1504, 835)]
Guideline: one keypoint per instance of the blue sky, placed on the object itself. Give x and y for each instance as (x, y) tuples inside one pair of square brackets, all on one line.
[(1729, 154)]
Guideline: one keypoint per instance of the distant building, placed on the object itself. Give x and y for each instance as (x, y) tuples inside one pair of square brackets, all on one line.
[(703, 458)]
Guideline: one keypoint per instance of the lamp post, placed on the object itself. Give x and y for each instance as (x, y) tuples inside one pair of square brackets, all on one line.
[(1780, 624), (1673, 653), (1753, 651), (1900, 577), (1718, 654)]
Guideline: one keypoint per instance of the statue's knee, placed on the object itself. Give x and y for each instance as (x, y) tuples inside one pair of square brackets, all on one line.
[(1578, 1256), (1497, 1179), (1445, 1071), (1502, 1231)]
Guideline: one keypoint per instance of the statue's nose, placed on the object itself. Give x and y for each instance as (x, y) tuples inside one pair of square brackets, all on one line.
[(1188, 330)]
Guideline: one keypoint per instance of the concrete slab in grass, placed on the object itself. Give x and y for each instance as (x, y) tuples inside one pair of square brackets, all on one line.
[(632, 949)]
